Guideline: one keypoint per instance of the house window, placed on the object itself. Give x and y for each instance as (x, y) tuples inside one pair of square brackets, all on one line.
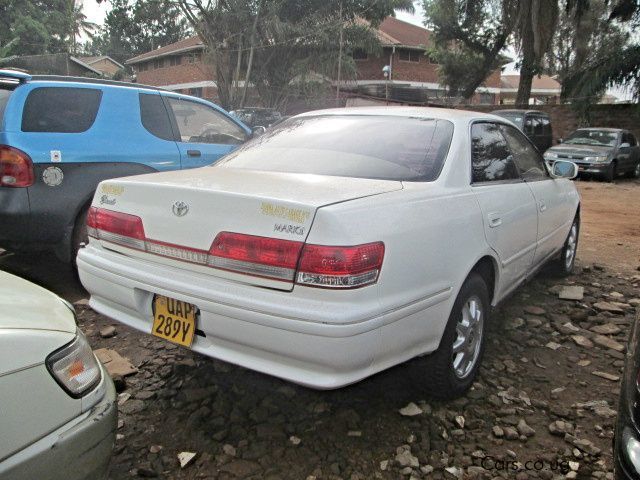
[(143, 67), (194, 57), (409, 55), (175, 60), (359, 54), (158, 63), (196, 92)]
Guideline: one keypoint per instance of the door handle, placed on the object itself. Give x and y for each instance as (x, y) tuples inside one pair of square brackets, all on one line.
[(543, 206), (193, 153), (494, 220)]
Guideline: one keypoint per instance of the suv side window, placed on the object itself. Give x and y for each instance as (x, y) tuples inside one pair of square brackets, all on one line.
[(154, 116), (526, 157), (491, 159), (60, 109), (546, 126), (198, 123), (632, 140)]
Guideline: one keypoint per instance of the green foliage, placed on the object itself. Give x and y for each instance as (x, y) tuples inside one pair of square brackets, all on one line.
[(279, 45), (468, 37), (614, 66), (41, 26), (133, 27)]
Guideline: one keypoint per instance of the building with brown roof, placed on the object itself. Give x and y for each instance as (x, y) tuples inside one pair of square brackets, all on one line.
[(544, 89), (412, 78), (104, 63)]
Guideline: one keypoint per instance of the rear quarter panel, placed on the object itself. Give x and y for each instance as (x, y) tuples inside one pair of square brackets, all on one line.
[(433, 236)]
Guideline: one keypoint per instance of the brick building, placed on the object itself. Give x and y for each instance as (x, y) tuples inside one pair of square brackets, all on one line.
[(182, 67)]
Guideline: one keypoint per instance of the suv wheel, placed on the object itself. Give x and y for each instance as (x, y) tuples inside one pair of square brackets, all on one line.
[(452, 368)]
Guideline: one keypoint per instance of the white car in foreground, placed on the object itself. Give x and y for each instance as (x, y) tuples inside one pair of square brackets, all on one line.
[(336, 245), (57, 404)]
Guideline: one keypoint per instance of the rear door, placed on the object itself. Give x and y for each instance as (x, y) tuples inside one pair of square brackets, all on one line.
[(204, 134), (626, 160), (551, 195), (507, 203)]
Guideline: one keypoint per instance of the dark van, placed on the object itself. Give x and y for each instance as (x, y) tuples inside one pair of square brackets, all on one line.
[(535, 124)]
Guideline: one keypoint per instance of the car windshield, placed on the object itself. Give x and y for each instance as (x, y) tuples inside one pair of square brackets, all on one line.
[(592, 137), (515, 118), (362, 146)]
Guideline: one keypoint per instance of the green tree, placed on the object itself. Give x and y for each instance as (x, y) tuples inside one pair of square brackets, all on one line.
[(620, 69), (40, 26), (78, 24), (285, 40), (132, 27), (468, 36)]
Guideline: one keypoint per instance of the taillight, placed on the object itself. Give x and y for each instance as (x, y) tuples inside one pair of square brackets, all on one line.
[(340, 267), (261, 256), (116, 227), (16, 168), (284, 260)]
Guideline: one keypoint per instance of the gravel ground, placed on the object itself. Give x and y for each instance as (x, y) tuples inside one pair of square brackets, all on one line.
[(542, 396), (543, 406)]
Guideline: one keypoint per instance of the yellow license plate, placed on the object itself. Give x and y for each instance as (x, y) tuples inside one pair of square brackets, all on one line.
[(174, 320)]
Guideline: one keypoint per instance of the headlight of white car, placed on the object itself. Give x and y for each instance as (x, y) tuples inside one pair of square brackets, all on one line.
[(75, 367), (596, 159), (550, 155)]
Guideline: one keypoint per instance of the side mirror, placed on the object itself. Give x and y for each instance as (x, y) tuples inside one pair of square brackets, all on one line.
[(559, 140), (257, 131), (625, 145), (563, 169)]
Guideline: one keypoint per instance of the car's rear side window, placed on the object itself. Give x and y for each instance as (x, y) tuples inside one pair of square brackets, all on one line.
[(61, 109), (154, 116), (361, 146), (491, 159)]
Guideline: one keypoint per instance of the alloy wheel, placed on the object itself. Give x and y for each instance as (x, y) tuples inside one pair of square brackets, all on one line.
[(468, 342), (572, 243)]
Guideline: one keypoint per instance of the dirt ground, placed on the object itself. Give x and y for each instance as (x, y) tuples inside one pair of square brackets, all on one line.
[(541, 407)]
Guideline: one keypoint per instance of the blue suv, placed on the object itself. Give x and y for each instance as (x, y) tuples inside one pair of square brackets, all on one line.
[(61, 136)]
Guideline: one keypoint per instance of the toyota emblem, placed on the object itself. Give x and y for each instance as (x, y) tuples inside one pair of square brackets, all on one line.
[(180, 209)]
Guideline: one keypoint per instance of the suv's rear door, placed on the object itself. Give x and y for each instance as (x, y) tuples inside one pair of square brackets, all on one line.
[(203, 133)]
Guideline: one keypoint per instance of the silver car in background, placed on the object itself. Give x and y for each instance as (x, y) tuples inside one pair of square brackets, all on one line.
[(604, 152), (58, 411)]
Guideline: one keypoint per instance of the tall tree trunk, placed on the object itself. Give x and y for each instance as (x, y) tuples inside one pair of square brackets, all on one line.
[(236, 75), (524, 87), (527, 68), (252, 42)]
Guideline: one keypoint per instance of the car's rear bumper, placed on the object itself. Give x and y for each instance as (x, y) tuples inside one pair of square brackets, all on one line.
[(79, 450), (248, 325), (15, 216)]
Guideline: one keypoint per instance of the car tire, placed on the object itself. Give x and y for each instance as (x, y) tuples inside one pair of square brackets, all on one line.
[(80, 235), (635, 172), (612, 172), (452, 369), (566, 261)]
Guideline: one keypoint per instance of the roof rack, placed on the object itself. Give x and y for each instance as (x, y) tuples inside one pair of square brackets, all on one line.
[(98, 81)]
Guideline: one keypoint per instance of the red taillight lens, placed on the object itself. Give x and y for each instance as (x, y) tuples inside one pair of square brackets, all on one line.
[(340, 267), (253, 255), (16, 168), (116, 227)]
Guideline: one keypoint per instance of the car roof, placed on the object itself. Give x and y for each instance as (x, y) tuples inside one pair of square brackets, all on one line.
[(602, 129), (91, 81), (518, 110), (419, 112)]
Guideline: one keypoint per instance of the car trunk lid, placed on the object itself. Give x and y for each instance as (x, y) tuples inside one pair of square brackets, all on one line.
[(183, 212)]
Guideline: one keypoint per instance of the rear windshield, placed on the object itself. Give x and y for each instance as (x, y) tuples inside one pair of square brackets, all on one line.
[(4, 99), (363, 146)]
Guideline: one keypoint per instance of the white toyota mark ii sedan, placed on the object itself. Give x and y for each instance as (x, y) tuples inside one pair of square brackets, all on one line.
[(336, 245), (58, 410)]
